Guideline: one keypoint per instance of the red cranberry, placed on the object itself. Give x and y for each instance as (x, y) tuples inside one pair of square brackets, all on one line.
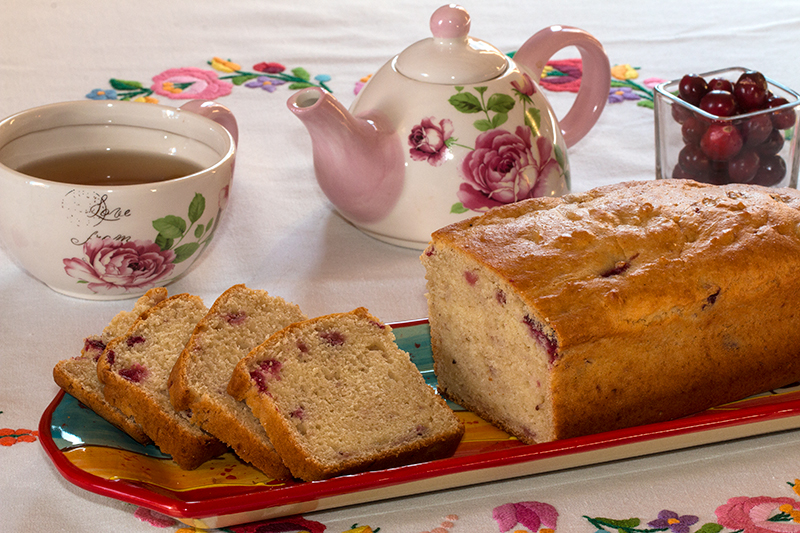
[(134, 340), (334, 338), (235, 319), (721, 141), (783, 119), (720, 84), (692, 88), (680, 113), (718, 103), (751, 91), (773, 145), (693, 160), (693, 129), (743, 167), (771, 171), (755, 130), (135, 373)]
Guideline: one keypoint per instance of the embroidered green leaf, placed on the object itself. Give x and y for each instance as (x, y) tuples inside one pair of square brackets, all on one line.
[(499, 119), (300, 85), (618, 524), (482, 125), (196, 208), (124, 85), (244, 78), (163, 242), (466, 103), (458, 208), (500, 103), (301, 73), (198, 231), (710, 527), (184, 251), (171, 227)]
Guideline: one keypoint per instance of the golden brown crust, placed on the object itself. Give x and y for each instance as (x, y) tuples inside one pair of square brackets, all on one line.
[(666, 297)]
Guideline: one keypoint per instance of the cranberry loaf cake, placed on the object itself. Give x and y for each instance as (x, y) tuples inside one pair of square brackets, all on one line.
[(240, 319), (625, 305), (134, 370), (78, 375), (337, 396)]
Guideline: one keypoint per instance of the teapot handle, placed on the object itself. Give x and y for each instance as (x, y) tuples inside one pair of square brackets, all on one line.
[(216, 112), (595, 82)]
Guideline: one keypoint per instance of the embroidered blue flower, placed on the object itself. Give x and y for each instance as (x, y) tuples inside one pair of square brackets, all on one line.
[(322, 78), (102, 94), (620, 94), (670, 520), (265, 82)]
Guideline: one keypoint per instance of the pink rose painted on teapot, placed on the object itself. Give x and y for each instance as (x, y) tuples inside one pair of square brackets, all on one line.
[(449, 128), (429, 141)]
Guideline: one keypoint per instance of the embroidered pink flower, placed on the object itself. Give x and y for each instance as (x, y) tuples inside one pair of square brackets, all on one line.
[(531, 515), (428, 141), (269, 68), (758, 514), (190, 83), (117, 267), (562, 75), (505, 167)]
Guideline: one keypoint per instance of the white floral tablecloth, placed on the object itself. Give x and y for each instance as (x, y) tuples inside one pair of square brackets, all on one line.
[(281, 234)]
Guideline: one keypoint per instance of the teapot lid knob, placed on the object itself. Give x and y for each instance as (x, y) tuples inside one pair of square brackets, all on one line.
[(450, 22), (451, 56)]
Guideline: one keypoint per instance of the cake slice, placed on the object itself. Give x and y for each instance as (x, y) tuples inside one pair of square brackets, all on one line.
[(135, 367), (78, 375), (337, 396), (239, 320)]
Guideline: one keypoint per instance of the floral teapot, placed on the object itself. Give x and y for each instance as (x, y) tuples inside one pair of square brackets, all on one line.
[(449, 128)]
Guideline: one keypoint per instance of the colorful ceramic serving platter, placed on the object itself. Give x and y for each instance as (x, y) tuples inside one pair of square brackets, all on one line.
[(94, 455)]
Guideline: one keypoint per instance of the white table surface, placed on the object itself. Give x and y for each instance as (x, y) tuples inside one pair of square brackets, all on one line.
[(281, 234)]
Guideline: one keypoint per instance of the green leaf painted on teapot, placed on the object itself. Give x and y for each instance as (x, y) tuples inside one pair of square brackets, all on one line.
[(466, 103)]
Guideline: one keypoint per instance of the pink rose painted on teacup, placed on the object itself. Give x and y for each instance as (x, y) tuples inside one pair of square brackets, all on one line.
[(428, 140), (506, 167), (115, 267), (190, 83)]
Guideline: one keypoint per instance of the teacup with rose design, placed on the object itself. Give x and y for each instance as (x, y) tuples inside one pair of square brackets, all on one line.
[(105, 200)]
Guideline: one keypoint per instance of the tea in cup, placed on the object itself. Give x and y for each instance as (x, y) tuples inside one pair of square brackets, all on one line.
[(105, 200)]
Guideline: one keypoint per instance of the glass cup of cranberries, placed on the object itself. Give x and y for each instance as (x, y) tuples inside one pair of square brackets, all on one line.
[(727, 126)]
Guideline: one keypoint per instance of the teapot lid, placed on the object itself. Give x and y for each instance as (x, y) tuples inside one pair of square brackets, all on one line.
[(451, 56)]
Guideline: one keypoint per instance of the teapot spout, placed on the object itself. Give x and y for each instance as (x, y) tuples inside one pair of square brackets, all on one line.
[(358, 161)]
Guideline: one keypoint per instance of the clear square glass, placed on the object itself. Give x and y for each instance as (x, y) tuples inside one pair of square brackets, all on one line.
[(673, 136)]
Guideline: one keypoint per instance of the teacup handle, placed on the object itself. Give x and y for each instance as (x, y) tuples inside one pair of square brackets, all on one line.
[(216, 112), (595, 81)]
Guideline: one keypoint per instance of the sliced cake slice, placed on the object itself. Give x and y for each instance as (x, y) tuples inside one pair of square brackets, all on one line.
[(135, 368), (337, 396), (78, 375), (240, 319)]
